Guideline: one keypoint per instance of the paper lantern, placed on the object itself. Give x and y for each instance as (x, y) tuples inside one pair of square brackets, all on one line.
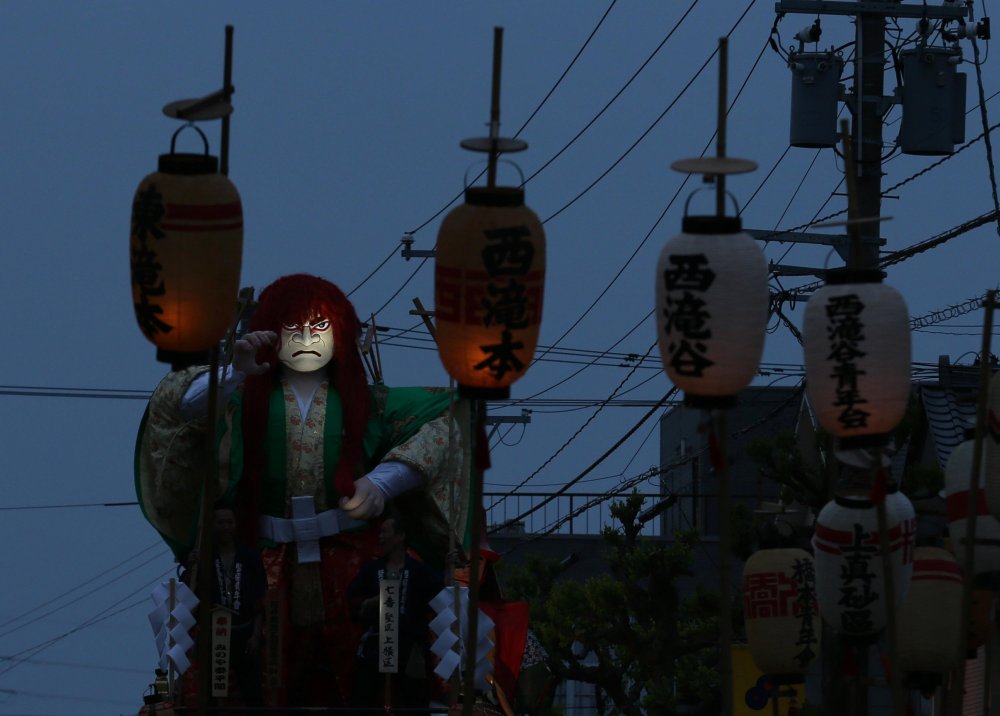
[(903, 537), (489, 277), (781, 613), (929, 621), (957, 472), (857, 349), (711, 309), (991, 448), (185, 248), (850, 587)]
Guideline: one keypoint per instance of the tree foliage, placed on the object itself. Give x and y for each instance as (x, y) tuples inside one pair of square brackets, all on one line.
[(628, 632)]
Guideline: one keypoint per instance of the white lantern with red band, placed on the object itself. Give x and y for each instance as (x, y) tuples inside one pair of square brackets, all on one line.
[(991, 448), (186, 248), (930, 618), (957, 474), (781, 613), (849, 576), (857, 350), (711, 309), (903, 536), (489, 276)]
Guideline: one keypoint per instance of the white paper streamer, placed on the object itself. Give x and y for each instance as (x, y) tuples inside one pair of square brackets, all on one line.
[(449, 647)]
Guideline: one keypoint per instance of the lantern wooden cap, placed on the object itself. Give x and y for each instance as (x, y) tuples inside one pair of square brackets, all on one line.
[(711, 224), (840, 276), (471, 392), (494, 196), (190, 164)]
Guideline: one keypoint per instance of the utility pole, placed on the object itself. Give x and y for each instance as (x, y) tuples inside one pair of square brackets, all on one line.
[(868, 104)]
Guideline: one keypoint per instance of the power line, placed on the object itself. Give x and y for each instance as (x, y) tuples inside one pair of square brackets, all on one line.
[(98, 588), (79, 586), (607, 453), (101, 616), (617, 94)]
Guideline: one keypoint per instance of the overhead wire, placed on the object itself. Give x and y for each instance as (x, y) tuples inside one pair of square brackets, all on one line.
[(604, 456), (37, 607), (101, 616), (459, 194), (617, 94), (581, 428), (629, 484)]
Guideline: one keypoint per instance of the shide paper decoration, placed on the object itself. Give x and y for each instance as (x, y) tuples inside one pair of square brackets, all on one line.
[(172, 623), (451, 629), (781, 613), (185, 252), (489, 277), (857, 351), (711, 309)]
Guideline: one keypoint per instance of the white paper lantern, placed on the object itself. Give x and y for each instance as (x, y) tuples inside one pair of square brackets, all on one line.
[(849, 584), (903, 537), (780, 612), (857, 350), (956, 485), (931, 616), (991, 448), (711, 309)]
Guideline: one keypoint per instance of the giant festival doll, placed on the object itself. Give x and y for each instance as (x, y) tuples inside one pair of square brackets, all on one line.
[(311, 455)]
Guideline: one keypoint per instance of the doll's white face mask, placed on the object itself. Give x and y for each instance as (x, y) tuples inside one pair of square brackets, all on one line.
[(306, 347)]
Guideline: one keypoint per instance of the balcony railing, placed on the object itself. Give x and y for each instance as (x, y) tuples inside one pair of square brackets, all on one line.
[(586, 513)]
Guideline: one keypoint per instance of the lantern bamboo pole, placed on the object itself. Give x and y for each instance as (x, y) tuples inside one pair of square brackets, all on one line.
[(208, 494), (720, 134), (227, 80), (969, 555), (203, 576), (491, 176), (171, 603), (895, 687), (476, 498), (725, 588)]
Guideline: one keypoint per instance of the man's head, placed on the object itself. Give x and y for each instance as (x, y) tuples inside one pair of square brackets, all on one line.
[(391, 536), (224, 525)]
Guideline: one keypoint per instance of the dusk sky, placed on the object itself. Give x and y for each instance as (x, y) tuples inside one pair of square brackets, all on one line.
[(345, 135)]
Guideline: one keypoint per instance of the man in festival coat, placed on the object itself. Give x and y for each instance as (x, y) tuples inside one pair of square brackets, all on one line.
[(309, 453)]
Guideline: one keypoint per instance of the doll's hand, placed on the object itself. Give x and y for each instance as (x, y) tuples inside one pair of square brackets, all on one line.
[(367, 503), (245, 352)]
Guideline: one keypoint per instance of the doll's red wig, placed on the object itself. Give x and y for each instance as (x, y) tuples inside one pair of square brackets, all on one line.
[(297, 299)]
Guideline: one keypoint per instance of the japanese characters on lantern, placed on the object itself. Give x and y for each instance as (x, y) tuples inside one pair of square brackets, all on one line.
[(711, 309), (488, 284), (857, 349), (185, 252), (781, 613), (850, 587)]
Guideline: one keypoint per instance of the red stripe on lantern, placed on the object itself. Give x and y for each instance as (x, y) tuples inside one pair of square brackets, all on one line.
[(957, 505)]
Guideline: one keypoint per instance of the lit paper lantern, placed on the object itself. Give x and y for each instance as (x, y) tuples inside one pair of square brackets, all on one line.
[(781, 613), (850, 587), (711, 309), (185, 248), (986, 556), (929, 621), (489, 277), (857, 349), (991, 448)]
